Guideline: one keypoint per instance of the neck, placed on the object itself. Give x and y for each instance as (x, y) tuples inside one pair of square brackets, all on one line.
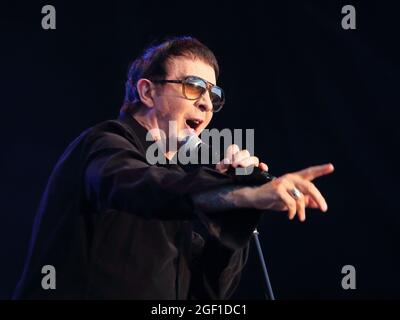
[(149, 121)]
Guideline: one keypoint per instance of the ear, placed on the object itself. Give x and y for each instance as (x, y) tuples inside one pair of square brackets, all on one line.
[(145, 91)]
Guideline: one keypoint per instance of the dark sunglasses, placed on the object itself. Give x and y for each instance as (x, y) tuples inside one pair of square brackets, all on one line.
[(194, 87)]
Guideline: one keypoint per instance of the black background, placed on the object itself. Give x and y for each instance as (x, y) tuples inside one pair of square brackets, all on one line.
[(313, 92)]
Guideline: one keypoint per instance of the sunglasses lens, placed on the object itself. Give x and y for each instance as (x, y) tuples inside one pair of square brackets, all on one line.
[(194, 88), (217, 98)]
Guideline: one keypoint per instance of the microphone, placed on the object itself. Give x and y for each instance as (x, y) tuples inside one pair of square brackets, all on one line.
[(195, 147)]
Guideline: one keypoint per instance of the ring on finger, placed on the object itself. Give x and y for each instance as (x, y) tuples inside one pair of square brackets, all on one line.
[(295, 193)]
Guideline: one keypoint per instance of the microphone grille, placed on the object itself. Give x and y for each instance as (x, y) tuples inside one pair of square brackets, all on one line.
[(192, 143)]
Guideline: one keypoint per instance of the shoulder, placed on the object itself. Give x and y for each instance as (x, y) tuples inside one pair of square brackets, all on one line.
[(112, 134)]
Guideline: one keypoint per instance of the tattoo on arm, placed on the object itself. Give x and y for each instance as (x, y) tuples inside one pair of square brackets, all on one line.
[(222, 199)]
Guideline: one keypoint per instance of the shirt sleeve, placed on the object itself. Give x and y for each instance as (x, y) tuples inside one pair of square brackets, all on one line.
[(117, 177)]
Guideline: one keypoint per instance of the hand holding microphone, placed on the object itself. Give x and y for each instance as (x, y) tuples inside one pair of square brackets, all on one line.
[(239, 158)]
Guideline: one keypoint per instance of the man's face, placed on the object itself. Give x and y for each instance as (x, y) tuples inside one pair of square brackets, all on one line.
[(191, 116)]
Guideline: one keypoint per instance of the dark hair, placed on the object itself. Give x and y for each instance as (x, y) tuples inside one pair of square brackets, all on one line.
[(152, 64)]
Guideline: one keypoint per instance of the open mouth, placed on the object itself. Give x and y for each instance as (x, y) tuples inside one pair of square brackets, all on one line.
[(193, 123)]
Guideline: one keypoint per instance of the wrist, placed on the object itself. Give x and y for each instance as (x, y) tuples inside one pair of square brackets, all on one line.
[(244, 197)]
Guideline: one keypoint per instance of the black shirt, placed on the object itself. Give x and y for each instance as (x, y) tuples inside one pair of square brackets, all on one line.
[(115, 227)]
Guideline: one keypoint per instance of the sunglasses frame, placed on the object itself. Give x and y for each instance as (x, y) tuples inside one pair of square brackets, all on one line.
[(208, 88)]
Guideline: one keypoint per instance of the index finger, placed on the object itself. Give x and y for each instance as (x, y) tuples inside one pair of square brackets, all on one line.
[(316, 171), (231, 150)]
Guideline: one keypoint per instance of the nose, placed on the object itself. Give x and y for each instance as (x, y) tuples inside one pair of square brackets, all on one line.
[(204, 102)]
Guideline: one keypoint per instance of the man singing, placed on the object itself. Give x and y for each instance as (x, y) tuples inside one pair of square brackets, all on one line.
[(115, 226)]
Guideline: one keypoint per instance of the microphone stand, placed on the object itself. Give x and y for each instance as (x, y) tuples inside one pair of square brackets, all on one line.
[(269, 293), (258, 177)]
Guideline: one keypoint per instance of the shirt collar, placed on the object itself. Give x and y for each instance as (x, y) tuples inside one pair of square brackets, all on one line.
[(141, 133), (137, 128)]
